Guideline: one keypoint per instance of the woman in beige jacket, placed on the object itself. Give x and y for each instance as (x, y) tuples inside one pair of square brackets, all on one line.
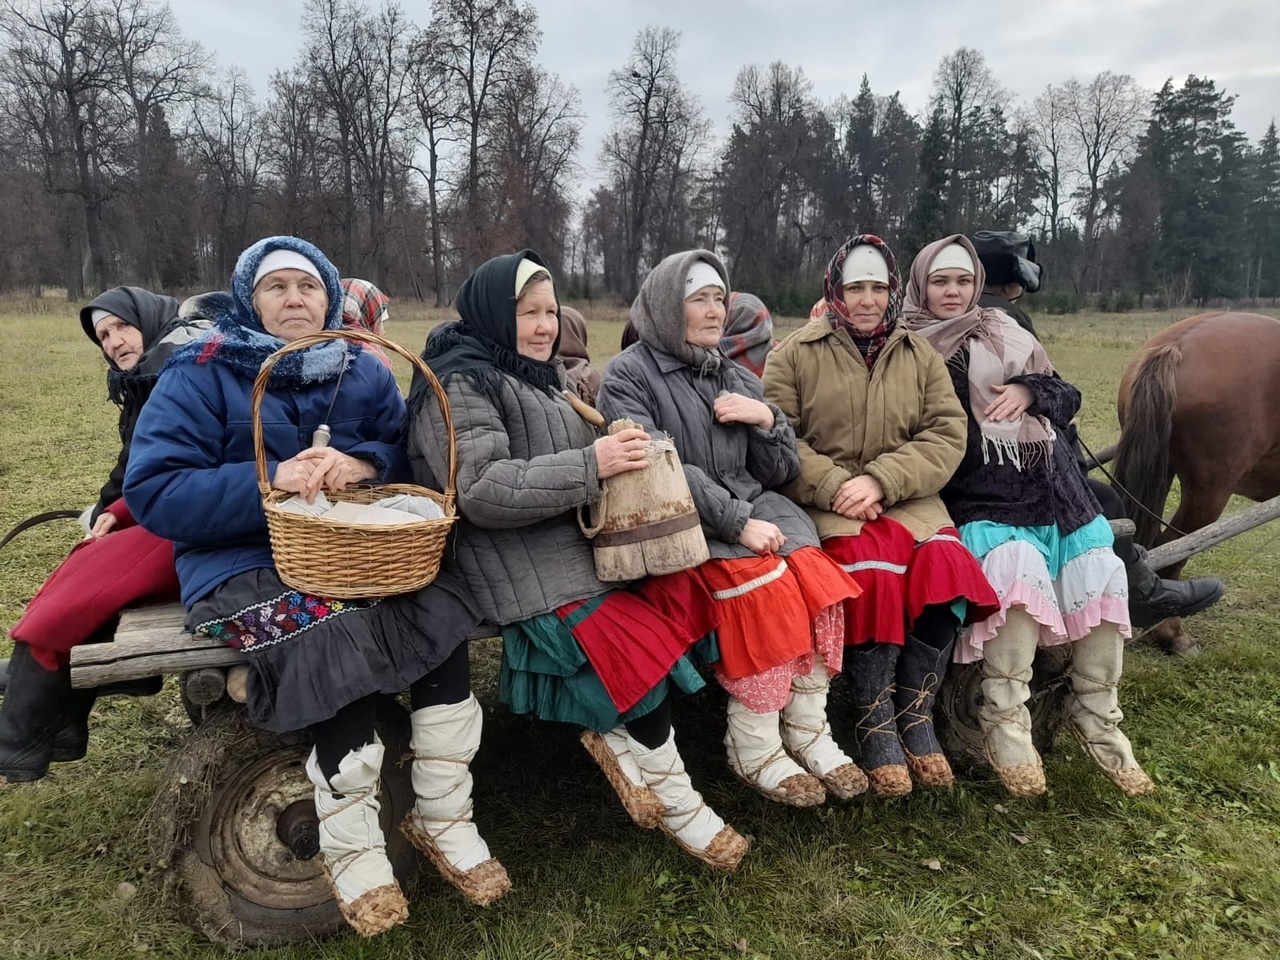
[(880, 431)]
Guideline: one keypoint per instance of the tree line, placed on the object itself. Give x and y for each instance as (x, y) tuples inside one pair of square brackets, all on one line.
[(411, 153)]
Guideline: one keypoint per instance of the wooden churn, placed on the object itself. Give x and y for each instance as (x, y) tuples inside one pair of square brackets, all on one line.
[(645, 523)]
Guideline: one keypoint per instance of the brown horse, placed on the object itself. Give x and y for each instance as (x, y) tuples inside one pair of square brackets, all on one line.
[(1200, 401)]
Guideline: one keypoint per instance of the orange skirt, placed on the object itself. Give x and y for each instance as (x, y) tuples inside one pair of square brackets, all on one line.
[(766, 606)]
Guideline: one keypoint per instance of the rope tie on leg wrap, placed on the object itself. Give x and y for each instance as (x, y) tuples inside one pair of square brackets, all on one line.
[(338, 865), (913, 709)]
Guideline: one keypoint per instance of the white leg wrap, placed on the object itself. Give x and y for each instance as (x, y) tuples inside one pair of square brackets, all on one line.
[(1006, 678), (804, 723), (351, 838), (1096, 664), (684, 813), (620, 745), (755, 749), (444, 741)]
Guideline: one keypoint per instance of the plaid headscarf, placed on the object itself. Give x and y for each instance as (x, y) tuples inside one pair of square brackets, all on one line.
[(748, 332), (364, 306), (868, 344)]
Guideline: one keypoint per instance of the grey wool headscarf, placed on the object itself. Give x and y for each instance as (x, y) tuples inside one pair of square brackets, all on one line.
[(658, 310)]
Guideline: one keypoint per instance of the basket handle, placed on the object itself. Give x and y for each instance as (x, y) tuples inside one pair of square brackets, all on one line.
[(357, 336)]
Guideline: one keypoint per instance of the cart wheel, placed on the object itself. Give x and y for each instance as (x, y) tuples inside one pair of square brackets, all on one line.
[(956, 716), (235, 825)]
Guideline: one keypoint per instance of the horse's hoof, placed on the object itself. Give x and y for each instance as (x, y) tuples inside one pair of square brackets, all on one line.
[(1183, 646)]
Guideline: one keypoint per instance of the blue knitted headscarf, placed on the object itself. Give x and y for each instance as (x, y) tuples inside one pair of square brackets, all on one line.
[(240, 341)]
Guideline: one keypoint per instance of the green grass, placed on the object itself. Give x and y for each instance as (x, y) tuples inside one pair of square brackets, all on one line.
[(1192, 872)]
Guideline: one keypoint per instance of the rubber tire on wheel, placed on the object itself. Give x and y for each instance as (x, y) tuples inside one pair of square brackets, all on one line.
[(956, 713), (214, 820)]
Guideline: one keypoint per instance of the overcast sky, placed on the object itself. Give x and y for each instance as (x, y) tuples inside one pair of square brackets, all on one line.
[(1027, 45)]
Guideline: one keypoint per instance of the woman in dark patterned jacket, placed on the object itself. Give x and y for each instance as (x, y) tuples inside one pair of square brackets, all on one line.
[(1024, 510)]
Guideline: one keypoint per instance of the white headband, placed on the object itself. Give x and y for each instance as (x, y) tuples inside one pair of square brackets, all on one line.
[(99, 315), (525, 272), (864, 262), (285, 260), (952, 257), (701, 274)]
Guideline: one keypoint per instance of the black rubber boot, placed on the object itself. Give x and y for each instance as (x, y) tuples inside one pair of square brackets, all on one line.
[(31, 714), (1152, 599), (71, 742), (870, 668)]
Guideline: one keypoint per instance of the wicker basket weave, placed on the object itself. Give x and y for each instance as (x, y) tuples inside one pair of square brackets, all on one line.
[(333, 558)]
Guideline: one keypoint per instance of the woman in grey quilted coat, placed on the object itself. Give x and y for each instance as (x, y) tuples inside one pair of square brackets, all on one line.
[(575, 649), (778, 599)]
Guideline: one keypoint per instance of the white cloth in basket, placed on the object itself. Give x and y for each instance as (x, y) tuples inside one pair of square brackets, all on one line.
[(398, 509)]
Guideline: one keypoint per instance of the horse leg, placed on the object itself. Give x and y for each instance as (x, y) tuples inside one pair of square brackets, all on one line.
[(1200, 506)]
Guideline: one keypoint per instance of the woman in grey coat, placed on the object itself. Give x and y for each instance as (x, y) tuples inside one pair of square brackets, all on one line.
[(575, 649), (778, 599)]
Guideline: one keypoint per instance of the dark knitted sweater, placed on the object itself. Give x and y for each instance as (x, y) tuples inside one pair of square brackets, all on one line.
[(1051, 491)]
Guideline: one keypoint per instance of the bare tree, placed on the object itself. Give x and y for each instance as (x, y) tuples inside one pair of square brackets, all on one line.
[(227, 137), (966, 92), (1105, 119), (158, 69), (482, 45), (57, 57), (533, 139), (381, 135), (648, 155), (437, 106), (1047, 124)]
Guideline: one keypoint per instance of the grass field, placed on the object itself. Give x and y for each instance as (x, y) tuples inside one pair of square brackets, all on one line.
[(1083, 873)]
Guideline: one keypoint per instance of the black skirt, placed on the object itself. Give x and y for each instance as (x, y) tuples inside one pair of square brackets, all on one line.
[(311, 656)]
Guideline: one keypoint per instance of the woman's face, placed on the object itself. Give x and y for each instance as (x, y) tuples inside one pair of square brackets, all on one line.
[(704, 315), (291, 303), (537, 323), (949, 293), (120, 341), (866, 301)]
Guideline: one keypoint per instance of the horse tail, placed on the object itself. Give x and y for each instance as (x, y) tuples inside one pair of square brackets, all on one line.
[(1142, 455)]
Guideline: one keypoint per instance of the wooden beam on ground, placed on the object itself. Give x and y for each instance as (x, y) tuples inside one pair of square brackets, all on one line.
[(1174, 551)]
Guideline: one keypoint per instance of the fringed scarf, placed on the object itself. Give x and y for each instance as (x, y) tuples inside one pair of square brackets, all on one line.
[(998, 350), (481, 345), (868, 344), (239, 340)]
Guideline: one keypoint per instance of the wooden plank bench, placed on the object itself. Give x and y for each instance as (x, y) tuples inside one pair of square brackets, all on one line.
[(149, 641)]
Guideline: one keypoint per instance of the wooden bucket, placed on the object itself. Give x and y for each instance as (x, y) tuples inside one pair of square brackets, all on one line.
[(645, 524)]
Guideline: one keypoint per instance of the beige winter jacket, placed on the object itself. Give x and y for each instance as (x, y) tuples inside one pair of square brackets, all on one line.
[(900, 422)]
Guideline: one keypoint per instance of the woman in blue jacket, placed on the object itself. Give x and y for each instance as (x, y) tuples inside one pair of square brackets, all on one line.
[(316, 662)]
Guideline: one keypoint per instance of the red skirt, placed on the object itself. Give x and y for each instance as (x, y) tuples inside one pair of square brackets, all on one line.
[(902, 577), (634, 637), (99, 578)]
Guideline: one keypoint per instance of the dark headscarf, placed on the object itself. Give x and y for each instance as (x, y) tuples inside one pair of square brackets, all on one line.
[(151, 314), (481, 345), (241, 342)]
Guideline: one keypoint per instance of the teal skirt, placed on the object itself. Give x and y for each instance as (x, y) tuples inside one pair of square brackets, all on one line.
[(545, 672)]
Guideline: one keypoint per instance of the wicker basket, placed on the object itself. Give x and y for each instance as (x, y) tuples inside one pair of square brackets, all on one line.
[(333, 558)]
